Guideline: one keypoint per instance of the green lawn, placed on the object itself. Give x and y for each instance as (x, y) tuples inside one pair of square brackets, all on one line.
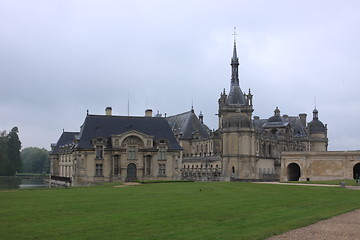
[(220, 210)]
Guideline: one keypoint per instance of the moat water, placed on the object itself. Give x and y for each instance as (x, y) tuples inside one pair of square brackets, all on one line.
[(22, 182)]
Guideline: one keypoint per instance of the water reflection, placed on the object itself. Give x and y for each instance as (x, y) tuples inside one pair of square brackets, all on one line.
[(19, 183)]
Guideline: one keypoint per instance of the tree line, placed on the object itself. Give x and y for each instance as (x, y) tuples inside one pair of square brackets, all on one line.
[(10, 160), (35, 160), (14, 160)]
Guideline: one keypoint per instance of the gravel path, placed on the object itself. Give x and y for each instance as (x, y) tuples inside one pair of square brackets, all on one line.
[(342, 227), (345, 226), (125, 184)]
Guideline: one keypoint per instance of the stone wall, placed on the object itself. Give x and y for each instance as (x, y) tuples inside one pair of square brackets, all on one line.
[(312, 166)]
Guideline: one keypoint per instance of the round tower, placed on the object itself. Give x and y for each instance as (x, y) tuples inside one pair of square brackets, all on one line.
[(318, 133)]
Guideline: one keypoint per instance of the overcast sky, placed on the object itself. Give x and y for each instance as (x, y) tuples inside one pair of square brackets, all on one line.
[(60, 58)]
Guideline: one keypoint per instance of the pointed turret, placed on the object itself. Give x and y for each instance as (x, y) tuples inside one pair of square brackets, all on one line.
[(236, 96), (235, 66)]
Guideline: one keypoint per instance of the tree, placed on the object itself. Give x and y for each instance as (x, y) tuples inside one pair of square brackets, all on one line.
[(10, 145), (35, 160), (4, 160), (13, 150)]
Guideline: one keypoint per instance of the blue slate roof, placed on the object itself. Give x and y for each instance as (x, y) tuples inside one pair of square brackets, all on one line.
[(105, 126), (187, 124), (65, 141)]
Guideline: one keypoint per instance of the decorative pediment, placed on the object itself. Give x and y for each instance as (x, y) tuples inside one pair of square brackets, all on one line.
[(99, 141), (132, 141), (132, 138)]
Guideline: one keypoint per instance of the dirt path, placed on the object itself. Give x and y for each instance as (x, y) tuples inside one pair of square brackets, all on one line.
[(310, 185), (345, 226), (125, 184)]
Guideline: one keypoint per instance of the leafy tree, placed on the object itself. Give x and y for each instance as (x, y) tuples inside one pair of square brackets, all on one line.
[(4, 159), (35, 160), (14, 146), (10, 145)]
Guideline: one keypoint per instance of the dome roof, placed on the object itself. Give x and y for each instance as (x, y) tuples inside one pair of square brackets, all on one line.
[(316, 126), (276, 120)]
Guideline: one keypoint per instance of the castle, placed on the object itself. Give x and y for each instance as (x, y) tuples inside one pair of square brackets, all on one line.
[(243, 147), (182, 147)]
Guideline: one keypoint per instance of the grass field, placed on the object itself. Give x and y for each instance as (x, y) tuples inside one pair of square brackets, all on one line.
[(221, 210)]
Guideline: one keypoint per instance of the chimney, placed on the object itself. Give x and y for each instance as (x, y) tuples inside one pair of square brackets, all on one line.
[(303, 119), (108, 111), (256, 117), (148, 113)]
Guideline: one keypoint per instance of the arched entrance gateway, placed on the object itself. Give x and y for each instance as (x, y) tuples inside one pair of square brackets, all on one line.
[(293, 172), (131, 173), (356, 171)]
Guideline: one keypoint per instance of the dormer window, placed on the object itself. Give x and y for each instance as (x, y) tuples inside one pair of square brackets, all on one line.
[(99, 152), (99, 145)]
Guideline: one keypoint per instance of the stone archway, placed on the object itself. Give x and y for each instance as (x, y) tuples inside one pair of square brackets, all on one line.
[(131, 173), (356, 170), (293, 172)]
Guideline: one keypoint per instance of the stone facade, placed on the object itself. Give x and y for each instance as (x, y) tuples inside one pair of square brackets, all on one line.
[(114, 148), (243, 147), (312, 166)]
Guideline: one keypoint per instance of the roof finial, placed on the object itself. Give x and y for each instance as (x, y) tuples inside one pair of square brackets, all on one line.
[(234, 34), (128, 105), (192, 104)]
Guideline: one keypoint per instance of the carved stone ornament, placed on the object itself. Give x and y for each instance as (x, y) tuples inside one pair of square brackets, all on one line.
[(132, 140)]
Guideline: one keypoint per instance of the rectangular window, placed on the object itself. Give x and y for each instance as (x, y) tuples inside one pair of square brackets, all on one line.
[(148, 165), (99, 170), (131, 153), (116, 165), (99, 152), (162, 169), (162, 153)]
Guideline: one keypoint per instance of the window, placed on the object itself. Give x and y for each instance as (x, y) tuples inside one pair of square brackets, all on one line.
[(162, 153), (99, 170), (131, 153), (162, 169), (99, 152), (148, 165), (116, 165)]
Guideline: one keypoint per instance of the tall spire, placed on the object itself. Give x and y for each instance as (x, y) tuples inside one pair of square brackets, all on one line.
[(235, 63), (236, 96)]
